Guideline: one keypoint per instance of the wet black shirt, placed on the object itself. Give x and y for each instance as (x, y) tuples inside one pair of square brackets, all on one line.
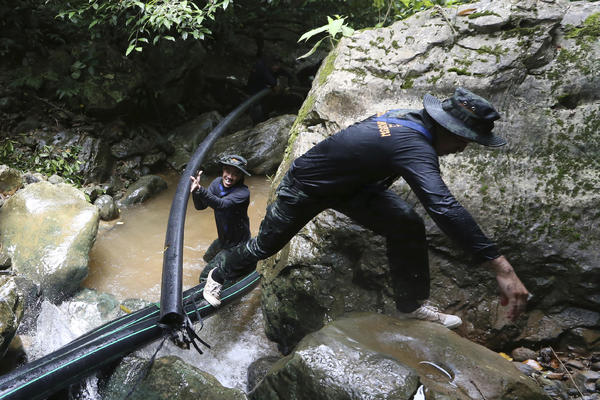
[(231, 210), (369, 152)]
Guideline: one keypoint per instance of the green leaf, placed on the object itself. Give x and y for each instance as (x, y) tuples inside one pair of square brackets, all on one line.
[(313, 32), (335, 27), (311, 50), (130, 49), (347, 31)]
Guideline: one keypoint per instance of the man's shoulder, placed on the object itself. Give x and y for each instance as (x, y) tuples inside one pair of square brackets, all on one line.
[(241, 188)]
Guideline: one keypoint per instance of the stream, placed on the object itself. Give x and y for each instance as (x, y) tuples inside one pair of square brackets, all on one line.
[(126, 262)]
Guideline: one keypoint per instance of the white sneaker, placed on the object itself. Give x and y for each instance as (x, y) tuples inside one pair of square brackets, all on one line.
[(212, 291), (430, 313)]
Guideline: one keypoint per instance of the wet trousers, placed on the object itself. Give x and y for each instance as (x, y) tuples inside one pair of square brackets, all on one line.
[(381, 211), (214, 249)]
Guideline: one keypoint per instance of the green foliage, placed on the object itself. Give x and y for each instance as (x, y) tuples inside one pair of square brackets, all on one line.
[(335, 28), (145, 21), (48, 160)]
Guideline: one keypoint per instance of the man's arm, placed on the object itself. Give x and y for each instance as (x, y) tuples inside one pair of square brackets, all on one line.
[(512, 291), (238, 196)]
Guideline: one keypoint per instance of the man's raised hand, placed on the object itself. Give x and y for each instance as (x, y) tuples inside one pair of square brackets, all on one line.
[(195, 185)]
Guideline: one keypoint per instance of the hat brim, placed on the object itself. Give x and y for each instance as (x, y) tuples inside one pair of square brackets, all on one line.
[(434, 108), (236, 166)]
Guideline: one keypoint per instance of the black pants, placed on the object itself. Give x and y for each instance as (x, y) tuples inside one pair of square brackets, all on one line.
[(210, 253), (383, 211)]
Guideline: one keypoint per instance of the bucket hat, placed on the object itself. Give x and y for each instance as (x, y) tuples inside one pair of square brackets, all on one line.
[(466, 114), (235, 161)]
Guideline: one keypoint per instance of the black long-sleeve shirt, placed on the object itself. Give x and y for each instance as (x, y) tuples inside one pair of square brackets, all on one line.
[(231, 210), (370, 152)]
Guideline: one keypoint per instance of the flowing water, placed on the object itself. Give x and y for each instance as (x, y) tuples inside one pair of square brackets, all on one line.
[(126, 261)]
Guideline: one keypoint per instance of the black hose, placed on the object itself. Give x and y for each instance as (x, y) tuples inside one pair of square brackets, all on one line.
[(80, 358), (171, 306)]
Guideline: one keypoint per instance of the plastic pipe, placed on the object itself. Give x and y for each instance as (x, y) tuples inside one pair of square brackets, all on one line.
[(171, 308)]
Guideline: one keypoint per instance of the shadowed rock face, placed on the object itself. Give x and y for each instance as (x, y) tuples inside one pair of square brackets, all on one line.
[(11, 311), (538, 64), (366, 355), (48, 231)]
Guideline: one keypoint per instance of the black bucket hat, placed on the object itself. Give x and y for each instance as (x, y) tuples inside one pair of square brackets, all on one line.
[(466, 114), (235, 161)]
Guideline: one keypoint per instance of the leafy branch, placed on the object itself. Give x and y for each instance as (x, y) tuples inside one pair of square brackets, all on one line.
[(146, 21), (335, 28)]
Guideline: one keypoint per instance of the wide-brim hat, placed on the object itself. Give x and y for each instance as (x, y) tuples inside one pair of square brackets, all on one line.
[(235, 161), (466, 114)]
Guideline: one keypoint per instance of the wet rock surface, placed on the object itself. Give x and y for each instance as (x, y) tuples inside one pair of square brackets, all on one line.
[(168, 378), (366, 355), (48, 231), (11, 311), (142, 190)]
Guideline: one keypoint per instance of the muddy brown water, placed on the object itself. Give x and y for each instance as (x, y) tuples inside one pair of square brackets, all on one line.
[(126, 259)]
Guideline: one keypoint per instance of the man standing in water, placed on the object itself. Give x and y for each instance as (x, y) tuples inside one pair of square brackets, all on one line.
[(229, 198), (351, 172)]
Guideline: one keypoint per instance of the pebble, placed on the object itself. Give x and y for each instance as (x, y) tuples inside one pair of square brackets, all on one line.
[(522, 354), (575, 364), (533, 364), (555, 375)]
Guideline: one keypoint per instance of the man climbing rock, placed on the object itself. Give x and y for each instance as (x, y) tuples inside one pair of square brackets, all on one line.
[(351, 172), (229, 198)]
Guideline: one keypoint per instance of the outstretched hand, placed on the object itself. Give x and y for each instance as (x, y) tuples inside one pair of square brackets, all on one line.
[(512, 291), (195, 181)]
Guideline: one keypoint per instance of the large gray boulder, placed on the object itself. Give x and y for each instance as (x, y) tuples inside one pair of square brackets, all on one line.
[(538, 63), (143, 189), (371, 356), (168, 378), (263, 145), (186, 138), (48, 231)]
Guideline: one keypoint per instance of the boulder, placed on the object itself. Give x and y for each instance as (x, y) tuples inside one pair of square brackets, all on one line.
[(366, 356), (168, 378), (11, 311), (186, 138), (11, 180), (97, 160), (537, 63), (48, 231), (143, 189), (258, 369), (263, 146), (106, 207)]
